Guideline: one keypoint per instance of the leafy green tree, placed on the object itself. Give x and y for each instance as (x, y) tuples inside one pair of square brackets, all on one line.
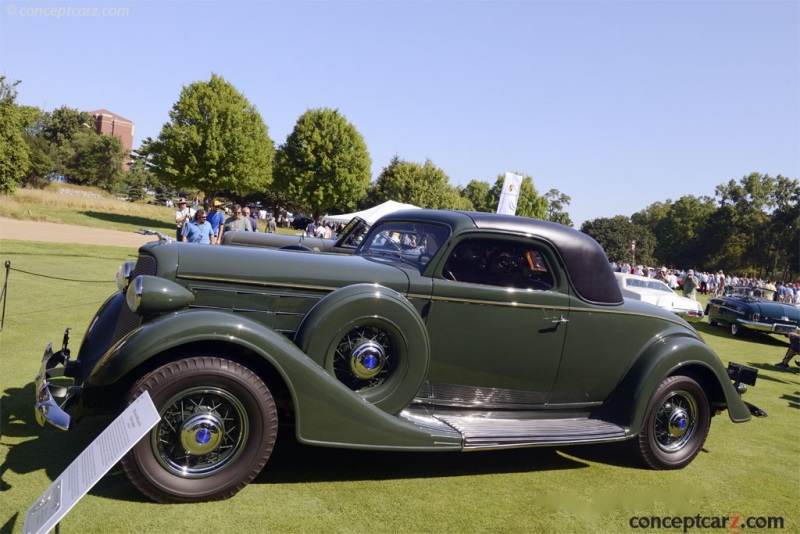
[(617, 234), (478, 193), (97, 160), (14, 151), (426, 186), (44, 157), (324, 163), (556, 203), (681, 233), (215, 140)]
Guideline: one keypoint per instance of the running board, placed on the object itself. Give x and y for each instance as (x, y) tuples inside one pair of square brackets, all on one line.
[(488, 433)]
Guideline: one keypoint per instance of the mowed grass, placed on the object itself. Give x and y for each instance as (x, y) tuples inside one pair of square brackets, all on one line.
[(749, 470), (86, 206)]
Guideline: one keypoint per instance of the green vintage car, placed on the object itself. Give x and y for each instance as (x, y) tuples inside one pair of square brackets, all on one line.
[(444, 331)]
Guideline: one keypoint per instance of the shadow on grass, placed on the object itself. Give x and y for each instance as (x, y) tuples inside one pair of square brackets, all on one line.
[(748, 337), (133, 220), (793, 400)]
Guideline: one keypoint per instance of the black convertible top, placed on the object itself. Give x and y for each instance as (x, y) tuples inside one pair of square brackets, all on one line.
[(587, 265)]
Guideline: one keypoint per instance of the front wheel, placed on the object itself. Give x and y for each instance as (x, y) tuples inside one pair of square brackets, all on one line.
[(217, 430), (677, 424)]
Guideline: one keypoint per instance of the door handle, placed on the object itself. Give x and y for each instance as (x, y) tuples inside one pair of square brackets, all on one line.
[(561, 319)]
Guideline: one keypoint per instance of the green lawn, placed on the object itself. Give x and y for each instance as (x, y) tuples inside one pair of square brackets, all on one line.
[(750, 469)]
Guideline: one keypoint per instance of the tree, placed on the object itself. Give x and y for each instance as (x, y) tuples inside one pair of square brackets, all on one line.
[(426, 186), (14, 151), (617, 234), (216, 140), (97, 160), (681, 233), (324, 163), (556, 202), (478, 193)]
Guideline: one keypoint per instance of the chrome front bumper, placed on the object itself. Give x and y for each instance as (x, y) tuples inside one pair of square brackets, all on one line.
[(47, 409), (689, 317), (775, 328)]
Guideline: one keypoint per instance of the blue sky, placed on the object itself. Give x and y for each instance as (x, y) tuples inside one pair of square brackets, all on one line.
[(616, 104)]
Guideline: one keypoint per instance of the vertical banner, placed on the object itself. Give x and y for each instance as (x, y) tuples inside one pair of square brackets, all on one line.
[(510, 194)]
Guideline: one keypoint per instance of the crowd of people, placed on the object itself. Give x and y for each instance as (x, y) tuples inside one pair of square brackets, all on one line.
[(692, 283), (197, 225)]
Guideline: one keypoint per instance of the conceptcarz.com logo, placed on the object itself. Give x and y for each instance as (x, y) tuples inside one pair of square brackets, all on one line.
[(733, 522)]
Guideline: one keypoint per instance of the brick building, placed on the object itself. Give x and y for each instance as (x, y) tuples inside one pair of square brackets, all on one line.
[(106, 122)]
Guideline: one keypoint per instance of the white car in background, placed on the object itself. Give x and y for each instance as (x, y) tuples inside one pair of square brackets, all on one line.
[(658, 293)]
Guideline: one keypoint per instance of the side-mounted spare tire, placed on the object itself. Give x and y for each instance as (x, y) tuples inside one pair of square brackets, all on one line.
[(372, 340)]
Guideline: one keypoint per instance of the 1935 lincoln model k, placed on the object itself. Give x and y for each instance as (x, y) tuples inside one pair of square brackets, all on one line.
[(445, 331)]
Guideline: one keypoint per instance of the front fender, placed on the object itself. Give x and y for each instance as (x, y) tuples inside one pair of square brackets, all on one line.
[(326, 412), (672, 355)]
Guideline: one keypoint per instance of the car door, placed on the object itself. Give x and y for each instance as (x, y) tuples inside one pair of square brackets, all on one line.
[(496, 321)]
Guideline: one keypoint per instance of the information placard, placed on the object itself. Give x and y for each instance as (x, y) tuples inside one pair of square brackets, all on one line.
[(92, 464)]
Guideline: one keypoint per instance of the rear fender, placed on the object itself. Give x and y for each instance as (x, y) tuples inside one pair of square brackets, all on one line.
[(673, 355), (326, 412)]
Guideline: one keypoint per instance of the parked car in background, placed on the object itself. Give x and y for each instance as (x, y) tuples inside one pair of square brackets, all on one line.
[(658, 293), (346, 241), (300, 221), (753, 309), (445, 331)]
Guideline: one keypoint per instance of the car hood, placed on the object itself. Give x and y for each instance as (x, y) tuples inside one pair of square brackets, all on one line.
[(282, 268)]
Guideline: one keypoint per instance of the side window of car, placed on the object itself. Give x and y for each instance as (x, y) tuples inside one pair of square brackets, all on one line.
[(498, 263)]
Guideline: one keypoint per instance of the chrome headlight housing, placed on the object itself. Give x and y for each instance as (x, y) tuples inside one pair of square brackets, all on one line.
[(151, 294), (124, 274)]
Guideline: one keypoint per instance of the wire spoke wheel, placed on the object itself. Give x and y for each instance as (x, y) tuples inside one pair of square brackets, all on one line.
[(675, 422), (201, 431), (676, 425), (365, 358)]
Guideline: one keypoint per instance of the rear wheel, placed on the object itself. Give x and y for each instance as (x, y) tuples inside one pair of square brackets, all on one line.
[(217, 430), (677, 424), (736, 330)]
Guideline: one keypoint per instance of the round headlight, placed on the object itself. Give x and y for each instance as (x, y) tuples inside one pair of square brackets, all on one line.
[(124, 275), (134, 295)]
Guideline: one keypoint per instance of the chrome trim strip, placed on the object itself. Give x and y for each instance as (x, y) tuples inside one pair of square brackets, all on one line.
[(255, 283)]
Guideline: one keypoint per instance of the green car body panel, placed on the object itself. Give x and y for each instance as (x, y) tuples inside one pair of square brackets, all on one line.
[(444, 331)]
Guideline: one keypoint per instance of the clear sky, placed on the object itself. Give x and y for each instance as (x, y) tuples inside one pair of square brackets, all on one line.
[(616, 104)]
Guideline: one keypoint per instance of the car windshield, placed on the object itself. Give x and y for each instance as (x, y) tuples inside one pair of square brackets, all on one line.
[(750, 292), (413, 243), (647, 284)]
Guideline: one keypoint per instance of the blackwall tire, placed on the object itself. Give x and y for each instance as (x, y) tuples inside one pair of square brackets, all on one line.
[(677, 424), (372, 340), (219, 425)]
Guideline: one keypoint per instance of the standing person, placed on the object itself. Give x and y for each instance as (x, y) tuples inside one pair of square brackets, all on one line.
[(794, 348), (198, 230), (234, 223), (215, 219), (690, 285), (311, 228), (271, 226), (250, 219), (182, 217)]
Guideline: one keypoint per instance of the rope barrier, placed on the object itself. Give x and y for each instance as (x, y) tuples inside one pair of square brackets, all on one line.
[(4, 292), (55, 277)]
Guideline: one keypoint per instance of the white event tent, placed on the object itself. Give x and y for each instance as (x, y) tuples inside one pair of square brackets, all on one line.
[(372, 214)]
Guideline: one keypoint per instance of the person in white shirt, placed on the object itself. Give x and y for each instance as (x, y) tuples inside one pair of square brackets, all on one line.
[(182, 217)]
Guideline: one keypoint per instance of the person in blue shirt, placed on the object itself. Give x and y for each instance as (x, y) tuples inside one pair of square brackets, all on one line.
[(216, 218), (198, 230)]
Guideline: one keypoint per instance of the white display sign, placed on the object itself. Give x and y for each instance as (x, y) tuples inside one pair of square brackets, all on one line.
[(508, 198), (92, 464)]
